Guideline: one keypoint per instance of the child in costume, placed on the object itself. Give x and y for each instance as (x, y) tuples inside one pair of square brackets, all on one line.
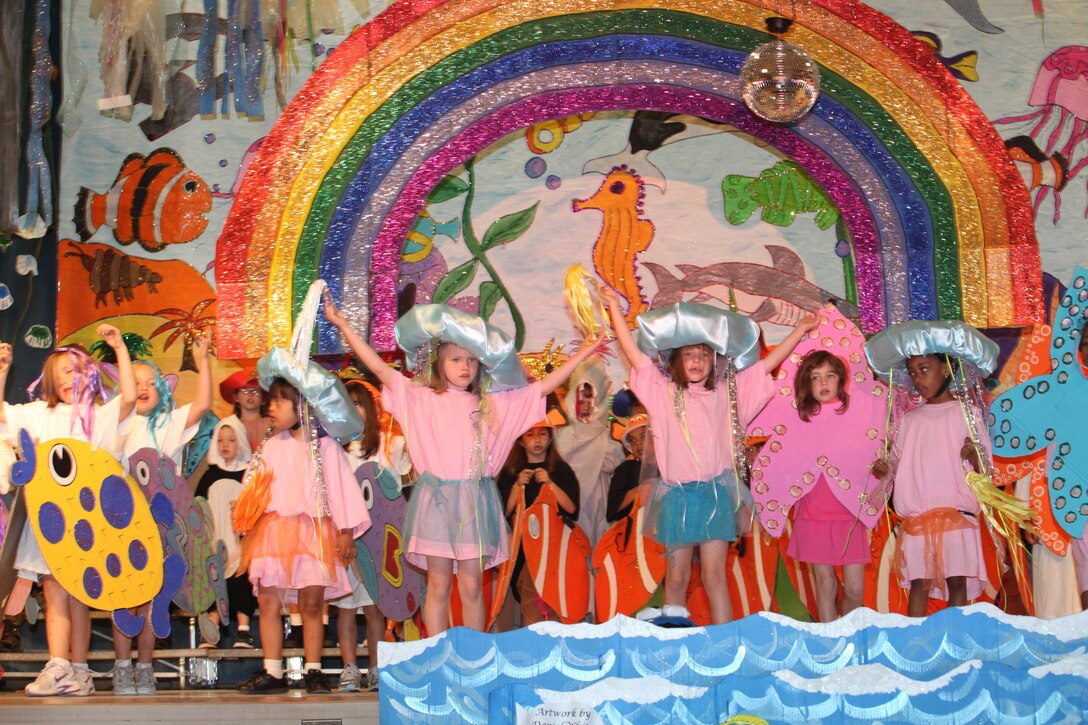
[(159, 425), (937, 445), (220, 484), (71, 386), (623, 490), (243, 391), (382, 443), (458, 438), (532, 466), (300, 542), (823, 438), (697, 425)]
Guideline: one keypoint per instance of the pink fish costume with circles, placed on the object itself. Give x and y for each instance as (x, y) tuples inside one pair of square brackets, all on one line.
[(837, 447)]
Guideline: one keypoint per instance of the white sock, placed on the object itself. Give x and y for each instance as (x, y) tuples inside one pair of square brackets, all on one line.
[(243, 627), (59, 661), (311, 666), (123, 663), (675, 610), (143, 665), (274, 667), (296, 619), (82, 666)]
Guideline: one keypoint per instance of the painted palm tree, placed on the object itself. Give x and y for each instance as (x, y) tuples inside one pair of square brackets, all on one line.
[(138, 347), (186, 326)]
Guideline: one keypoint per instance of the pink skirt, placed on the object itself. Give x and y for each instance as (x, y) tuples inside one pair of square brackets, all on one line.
[(292, 552), (459, 520), (824, 532), (961, 555), (835, 542)]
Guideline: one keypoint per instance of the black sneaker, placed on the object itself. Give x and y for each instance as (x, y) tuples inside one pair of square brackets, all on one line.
[(263, 683), (11, 641), (244, 640), (316, 682)]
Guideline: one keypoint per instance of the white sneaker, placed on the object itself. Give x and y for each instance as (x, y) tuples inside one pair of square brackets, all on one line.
[(124, 680), (56, 679), (648, 613), (351, 679), (372, 679), (85, 678), (675, 610), (145, 681)]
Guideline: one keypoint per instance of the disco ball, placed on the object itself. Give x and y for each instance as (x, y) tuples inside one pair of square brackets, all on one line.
[(780, 82)]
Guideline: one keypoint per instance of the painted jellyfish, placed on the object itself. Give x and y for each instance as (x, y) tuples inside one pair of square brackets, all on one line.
[(1061, 95)]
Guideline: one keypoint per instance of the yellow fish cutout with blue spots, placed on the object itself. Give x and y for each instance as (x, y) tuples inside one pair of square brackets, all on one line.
[(97, 532)]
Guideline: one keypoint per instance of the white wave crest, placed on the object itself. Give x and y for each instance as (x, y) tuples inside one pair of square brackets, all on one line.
[(613, 689), (872, 679)]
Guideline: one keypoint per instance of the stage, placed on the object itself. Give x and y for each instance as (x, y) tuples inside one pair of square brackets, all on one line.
[(207, 707)]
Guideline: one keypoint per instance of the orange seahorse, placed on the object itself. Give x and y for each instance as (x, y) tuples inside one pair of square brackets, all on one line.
[(623, 235)]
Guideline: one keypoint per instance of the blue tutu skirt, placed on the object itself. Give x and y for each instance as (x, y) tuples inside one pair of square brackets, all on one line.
[(456, 519), (688, 514)]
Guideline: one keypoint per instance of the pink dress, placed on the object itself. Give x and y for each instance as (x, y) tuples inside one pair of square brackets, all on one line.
[(292, 544), (455, 511), (824, 532), (931, 475)]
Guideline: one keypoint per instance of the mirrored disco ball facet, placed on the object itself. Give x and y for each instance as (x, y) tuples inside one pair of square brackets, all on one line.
[(780, 82)]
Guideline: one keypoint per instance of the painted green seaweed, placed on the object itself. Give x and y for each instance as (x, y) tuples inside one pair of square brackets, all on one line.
[(502, 231)]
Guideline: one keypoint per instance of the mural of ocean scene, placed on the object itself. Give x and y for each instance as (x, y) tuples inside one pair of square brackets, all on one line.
[(973, 664)]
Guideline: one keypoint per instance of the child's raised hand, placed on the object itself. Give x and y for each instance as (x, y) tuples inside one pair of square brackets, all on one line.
[(524, 477), (202, 346), (808, 322), (5, 357), (541, 476), (608, 295), (111, 335), (331, 313)]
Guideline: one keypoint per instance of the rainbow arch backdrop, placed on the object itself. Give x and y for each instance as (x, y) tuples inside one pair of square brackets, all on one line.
[(938, 220)]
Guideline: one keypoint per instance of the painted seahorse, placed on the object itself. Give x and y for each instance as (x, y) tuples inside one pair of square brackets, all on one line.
[(623, 234)]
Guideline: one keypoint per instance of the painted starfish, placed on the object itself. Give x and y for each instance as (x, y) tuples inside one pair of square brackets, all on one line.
[(839, 447), (1046, 412)]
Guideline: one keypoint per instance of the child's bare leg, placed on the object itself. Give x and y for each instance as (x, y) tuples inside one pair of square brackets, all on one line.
[(919, 597), (375, 632), (957, 590), (827, 592), (145, 642), (470, 577), (310, 600), (269, 605), (713, 556), (853, 585), (122, 644), (677, 575), (80, 615), (58, 619), (436, 605), (348, 632)]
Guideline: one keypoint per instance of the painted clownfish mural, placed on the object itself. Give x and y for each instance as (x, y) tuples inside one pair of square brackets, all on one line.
[(155, 201)]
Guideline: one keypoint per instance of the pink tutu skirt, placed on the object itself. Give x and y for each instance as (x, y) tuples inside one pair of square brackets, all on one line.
[(293, 552), (459, 520)]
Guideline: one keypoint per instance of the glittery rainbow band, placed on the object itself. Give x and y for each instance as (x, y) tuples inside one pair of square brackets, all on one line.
[(939, 224)]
